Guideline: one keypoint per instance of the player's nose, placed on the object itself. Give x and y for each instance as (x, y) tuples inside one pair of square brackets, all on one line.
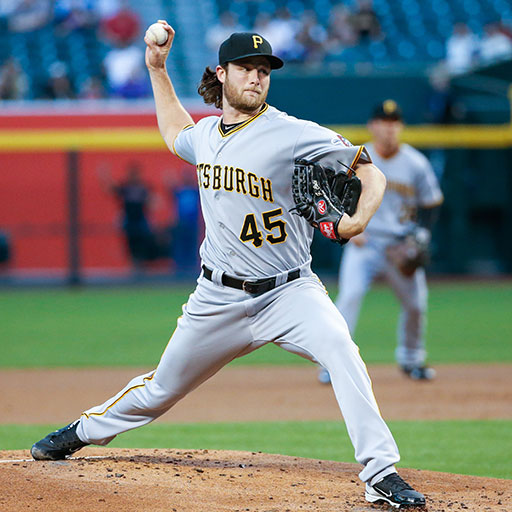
[(254, 76)]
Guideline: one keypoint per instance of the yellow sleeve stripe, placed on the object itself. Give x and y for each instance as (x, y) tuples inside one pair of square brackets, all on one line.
[(356, 158), (174, 148)]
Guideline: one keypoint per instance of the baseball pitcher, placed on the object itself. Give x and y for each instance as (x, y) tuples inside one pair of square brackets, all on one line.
[(266, 181)]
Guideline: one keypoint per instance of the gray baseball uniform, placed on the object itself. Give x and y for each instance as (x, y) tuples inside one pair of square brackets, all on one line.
[(245, 178), (411, 183)]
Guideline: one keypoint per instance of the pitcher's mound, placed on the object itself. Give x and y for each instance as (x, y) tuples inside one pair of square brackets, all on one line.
[(103, 479)]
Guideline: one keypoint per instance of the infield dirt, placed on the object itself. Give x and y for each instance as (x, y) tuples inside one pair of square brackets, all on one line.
[(208, 481), (211, 481), (262, 394)]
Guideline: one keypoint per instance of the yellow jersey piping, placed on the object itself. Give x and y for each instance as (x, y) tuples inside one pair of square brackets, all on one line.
[(145, 378), (243, 125), (115, 402)]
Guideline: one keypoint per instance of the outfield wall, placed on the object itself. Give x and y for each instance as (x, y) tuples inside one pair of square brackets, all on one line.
[(34, 165), (35, 149)]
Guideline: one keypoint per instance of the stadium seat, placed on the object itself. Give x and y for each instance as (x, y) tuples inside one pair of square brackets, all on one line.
[(412, 30)]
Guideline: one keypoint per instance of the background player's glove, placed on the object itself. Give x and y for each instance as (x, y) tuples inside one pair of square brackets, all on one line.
[(316, 197), (411, 253)]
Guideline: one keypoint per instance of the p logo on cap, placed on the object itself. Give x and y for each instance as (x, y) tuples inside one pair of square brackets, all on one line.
[(388, 110), (241, 45), (257, 40), (389, 107)]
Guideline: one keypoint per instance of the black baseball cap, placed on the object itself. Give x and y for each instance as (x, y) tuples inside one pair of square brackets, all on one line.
[(388, 110), (247, 44)]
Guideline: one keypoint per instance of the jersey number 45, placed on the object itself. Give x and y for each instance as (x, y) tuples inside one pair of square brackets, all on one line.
[(251, 233)]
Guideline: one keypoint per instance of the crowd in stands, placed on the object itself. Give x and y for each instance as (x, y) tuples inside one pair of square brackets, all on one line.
[(464, 49), (303, 38), (300, 38), (111, 23)]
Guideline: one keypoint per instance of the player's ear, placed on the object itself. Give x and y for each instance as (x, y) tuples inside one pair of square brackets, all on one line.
[(221, 74)]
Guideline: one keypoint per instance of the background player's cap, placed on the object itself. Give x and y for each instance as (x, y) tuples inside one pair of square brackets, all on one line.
[(387, 110), (247, 44)]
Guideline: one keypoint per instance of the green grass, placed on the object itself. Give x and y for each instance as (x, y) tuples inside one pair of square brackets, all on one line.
[(464, 447), (468, 322)]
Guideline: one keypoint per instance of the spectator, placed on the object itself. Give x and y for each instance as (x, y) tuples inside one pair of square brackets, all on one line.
[(29, 15), (440, 103), (93, 89), (13, 81), (279, 29), (365, 22), (340, 32), (106, 8), (58, 86), (263, 27), (185, 230), (505, 26), (495, 45), (311, 37), (228, 23), (134, 197), (69, 15), (7, 7), (5, 249), (340, 29), (122, 28), (283, 29), (461, 49), (125, 72)]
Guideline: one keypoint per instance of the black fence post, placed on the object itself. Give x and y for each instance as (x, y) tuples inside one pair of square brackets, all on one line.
[(74, 275)]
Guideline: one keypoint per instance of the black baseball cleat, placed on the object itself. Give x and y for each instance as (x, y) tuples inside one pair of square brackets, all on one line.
[(394, 490), (59, 444), (419, 372)]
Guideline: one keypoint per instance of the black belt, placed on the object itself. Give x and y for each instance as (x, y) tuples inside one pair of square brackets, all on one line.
[(253, 287)]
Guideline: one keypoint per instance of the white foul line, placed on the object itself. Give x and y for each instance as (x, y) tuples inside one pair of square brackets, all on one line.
[(6, 461)]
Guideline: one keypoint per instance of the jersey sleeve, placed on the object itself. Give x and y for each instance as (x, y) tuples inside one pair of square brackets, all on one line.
[(319, 144), (184, 144), (427, 186)]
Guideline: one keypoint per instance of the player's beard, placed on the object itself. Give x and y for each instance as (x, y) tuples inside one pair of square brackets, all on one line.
[(241, 101)]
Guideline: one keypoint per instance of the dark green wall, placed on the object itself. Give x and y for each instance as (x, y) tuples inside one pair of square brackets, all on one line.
[(348, 99), (479, 97), (474, 232)]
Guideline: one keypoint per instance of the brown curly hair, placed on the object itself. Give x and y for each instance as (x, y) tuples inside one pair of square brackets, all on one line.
[(210, 88)]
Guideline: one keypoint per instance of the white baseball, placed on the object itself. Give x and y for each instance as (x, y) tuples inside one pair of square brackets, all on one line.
[(157, 33)]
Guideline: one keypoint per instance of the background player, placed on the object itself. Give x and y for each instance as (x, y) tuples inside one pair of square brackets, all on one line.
[(411, 201), (256, 286), (135, 198)]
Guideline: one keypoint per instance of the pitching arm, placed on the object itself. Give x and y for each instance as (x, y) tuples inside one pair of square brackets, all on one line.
[(171, 115)]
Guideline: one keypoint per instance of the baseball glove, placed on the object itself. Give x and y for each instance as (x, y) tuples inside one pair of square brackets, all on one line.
[(410, 253), (322, 196)]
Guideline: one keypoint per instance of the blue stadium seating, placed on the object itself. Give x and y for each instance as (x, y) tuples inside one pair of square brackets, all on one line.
[(415, 33)]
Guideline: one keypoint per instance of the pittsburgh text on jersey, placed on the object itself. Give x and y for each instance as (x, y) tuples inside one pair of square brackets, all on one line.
[(234, 179)]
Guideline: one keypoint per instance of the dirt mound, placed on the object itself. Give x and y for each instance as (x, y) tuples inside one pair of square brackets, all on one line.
[(198, 481)]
